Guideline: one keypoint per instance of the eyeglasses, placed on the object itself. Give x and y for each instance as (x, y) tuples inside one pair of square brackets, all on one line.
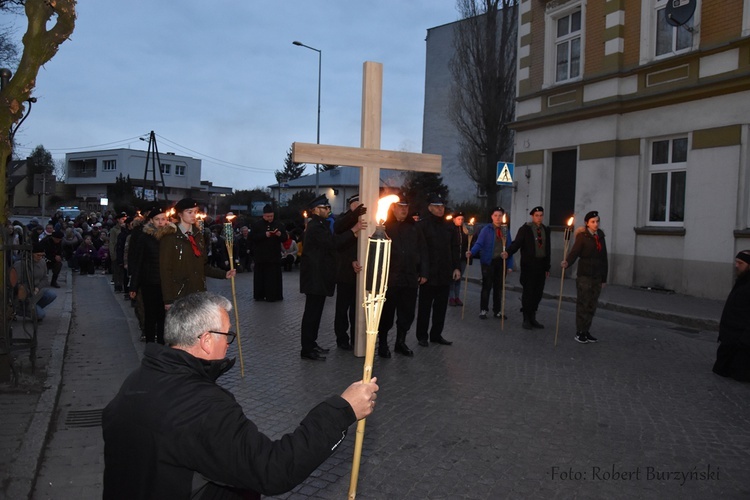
[(230, 335)]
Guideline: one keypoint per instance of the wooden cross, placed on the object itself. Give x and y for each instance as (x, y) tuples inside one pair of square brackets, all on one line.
[(370, 158)]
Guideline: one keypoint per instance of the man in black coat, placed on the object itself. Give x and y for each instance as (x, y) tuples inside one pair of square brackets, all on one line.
[(444, 268), (533, 239), (173, 432), (268, 235), (409, 269), (347, 267), (317, 277), (733, 354)]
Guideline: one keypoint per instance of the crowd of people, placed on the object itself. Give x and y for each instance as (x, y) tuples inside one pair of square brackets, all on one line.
[(165, 253), (160, 260)]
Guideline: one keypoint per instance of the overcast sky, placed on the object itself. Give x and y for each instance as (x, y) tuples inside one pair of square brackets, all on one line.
[(221, 81)]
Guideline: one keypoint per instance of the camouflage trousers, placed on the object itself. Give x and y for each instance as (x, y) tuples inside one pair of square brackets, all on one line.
[(588, 290)]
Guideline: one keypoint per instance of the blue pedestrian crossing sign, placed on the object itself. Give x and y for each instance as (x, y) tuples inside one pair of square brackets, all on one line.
[(504, 173)]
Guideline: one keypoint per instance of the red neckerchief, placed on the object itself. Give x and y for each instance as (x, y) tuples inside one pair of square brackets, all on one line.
[(598, 243), (194, 244)]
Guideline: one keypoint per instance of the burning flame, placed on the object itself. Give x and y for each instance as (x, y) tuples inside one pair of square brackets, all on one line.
[(230, 217), (471, 221), (383, 205), (504, 219), (171, 212), (304, 214), (200, 216), (570, 221), (449, 217)]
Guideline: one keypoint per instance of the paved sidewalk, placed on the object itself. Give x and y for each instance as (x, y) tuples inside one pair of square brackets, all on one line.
[(500, 414)]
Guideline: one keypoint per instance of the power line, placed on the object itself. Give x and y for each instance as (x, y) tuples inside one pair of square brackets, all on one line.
[(189, 152), (220, 162)]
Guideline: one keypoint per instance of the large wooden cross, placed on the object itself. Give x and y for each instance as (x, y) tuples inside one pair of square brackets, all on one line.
[(370, 158)]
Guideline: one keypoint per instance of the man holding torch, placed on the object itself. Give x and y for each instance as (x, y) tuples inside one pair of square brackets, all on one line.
[(173, 432), (533, 239), (493, 239)]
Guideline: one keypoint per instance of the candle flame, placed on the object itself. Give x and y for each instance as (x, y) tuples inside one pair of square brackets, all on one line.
[(471, 221), (570, 221), (304, 214), (383, 205), (504, 219)]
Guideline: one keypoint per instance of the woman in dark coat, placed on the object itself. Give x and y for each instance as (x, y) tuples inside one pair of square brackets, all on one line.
[(183, 259)]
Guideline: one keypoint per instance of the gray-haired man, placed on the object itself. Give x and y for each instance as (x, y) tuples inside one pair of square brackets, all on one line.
[(172, 432)]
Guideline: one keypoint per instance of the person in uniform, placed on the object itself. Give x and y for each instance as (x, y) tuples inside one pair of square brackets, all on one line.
[(317, 276), (444, 268), (591, 251), (347, 267), (409, 269), (267, 235), (183, 260), (533, 240)]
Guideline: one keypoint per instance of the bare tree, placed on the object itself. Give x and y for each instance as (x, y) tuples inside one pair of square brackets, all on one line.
[(484, 81), (40, 45)]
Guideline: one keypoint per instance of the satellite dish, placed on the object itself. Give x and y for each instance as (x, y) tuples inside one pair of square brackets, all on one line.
[(679, 12)]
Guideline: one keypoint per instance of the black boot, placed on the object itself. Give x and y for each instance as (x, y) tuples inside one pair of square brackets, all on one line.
[(401, 346), (527, 321), (534, 322), (384, 352)]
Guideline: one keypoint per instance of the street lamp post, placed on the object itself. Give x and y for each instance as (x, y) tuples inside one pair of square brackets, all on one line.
[(320, 66)]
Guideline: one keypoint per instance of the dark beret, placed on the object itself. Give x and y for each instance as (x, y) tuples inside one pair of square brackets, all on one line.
[(185, 204)]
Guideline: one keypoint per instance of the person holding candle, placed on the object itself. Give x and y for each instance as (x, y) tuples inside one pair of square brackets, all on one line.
[(183, 260), (317, 277), (533, 240), (492, 239), (444, 268), (267, 235), (591, 251), (409, 269), (462, 233)]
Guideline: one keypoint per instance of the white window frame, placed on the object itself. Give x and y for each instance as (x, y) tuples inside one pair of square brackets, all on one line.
[(109, 165), (649, 18), (179, 170), (551, 17), (670, 167), (166, 168)]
